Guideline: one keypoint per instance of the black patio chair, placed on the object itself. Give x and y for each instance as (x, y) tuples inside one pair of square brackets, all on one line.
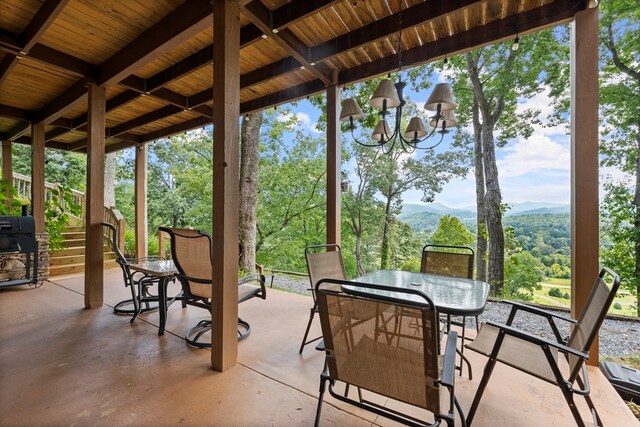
[(192, 252), (386, 353), (539, 356), (142, 300)]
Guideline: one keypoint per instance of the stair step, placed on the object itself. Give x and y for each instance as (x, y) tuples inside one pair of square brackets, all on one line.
[(73, 229), (59, 270), (78, 250), (75, 259), (73, 235), (73, 243)]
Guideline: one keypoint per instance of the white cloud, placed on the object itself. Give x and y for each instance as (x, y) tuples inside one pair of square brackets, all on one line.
[(302, 120), (544, 104), (538, 154)]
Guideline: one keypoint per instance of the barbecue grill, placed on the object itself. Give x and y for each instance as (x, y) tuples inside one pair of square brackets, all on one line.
[(18, 235)]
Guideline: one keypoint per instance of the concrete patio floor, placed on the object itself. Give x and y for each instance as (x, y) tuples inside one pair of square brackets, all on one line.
[(63, 365)]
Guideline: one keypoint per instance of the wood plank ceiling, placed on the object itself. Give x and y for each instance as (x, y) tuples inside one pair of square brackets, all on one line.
[(155, 57)]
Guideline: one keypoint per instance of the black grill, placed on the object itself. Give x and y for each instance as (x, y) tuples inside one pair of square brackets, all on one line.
[(18, 234)]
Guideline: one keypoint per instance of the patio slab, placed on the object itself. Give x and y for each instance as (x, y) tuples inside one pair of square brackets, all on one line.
[(61, 364)]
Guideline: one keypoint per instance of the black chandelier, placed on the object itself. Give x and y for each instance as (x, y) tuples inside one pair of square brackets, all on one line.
[(388, 96)]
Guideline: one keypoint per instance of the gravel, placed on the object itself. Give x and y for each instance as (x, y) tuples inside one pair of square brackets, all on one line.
[(617, 337)]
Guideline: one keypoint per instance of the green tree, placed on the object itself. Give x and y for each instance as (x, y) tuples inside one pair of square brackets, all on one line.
[(620, 142), (451, 231), (520, 276)]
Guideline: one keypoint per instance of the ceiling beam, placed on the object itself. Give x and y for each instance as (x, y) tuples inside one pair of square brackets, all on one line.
[(38, 25), (286, 95), (60, 105), (420, 14), (261, 16), (187, 20), (15, 113), (17, 131), (175, 129), (150, 117), (549, 14), (297, 10)]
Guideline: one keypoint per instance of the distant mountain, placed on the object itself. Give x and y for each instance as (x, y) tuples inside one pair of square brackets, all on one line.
[(425, 218)]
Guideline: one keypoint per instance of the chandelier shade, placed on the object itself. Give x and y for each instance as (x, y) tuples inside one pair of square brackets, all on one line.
[(350, 110), (448, 120), (416, 129), (386, 91), (382, 131), (441, 96)]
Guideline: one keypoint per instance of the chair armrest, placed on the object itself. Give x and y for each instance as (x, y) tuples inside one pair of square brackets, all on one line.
[(256, 279), (449, 365), (535, 310), (534, 339)]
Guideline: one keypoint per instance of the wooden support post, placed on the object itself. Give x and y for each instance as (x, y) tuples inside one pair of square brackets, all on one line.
[(93, 259), (37, 175), (141, 201), (584, 162), (7, 170), (226, 92), (334, 163)]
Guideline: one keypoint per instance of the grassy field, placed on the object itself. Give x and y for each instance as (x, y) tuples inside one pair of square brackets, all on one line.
[(541, 296)]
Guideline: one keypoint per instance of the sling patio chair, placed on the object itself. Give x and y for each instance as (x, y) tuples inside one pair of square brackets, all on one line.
[(386, 354), (139, 283), (453, 261), (323, 262), (538, 356), (192, 252)]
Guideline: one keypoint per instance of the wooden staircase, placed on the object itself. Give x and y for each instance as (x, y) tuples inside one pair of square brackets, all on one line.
[(70, 259)]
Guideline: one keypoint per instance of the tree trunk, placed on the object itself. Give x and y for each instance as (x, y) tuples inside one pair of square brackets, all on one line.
[(249, 159), (385, 247), (110, 179), (636, 225), (358, 253), (481, 215), (493, 202)]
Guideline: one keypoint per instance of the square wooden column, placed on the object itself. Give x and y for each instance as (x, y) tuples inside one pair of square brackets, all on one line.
[(37, 175), (226, 112), (584, 162), (334, 164), (93, 259), (142, 239), (7, 169)]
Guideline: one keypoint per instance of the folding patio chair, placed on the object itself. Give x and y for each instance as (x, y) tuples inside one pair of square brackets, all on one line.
[(192, 252), (453, 261), (539, 357), (323, 262), (387, 353)]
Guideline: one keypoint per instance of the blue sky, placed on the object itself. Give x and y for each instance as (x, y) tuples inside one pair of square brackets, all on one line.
[(535, 169)]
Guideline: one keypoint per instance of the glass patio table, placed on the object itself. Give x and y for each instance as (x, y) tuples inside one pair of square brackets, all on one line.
[(165, 271), (451, 295)]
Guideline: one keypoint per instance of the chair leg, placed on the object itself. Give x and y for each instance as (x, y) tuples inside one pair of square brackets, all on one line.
[(488, 370), (568, 396), (306, 332), (460, 412), (323, 385), (594, 413)]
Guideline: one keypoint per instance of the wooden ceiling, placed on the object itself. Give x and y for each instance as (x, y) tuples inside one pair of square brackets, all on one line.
[(155, 57)]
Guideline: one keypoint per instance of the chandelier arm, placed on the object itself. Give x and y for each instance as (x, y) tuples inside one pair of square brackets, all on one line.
[(431, 147), (358, 141)]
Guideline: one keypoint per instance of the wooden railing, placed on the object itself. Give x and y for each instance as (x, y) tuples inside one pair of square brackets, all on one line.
[(22, 184)]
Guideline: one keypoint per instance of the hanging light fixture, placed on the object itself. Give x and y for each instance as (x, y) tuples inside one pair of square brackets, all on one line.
[(388, 96)]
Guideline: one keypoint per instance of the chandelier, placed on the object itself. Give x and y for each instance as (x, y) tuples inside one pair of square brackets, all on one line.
[(388, 96)]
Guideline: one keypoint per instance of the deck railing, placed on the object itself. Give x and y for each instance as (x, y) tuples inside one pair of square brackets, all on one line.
[(22, 184)]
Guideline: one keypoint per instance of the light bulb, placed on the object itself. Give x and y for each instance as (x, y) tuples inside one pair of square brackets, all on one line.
[(445, 65), (516, 44)]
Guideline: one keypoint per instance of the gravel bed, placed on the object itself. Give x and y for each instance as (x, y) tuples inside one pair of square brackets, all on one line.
[(617, 337)]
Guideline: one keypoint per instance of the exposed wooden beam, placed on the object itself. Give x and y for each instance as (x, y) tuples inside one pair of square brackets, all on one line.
[(260, 15), (286, 95), (15, 113), (187, 20), (420, 14), (38, 25), (67, 100), (112, 148), (548, 14), (62, 61), (175, 129), (17, 131), (161, 113), (297, 10)]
